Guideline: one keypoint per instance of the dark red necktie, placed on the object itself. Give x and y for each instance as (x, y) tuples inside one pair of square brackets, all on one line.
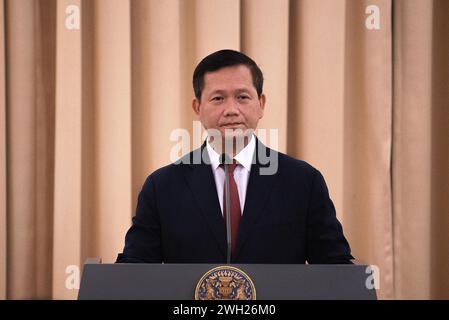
[(234, 203)]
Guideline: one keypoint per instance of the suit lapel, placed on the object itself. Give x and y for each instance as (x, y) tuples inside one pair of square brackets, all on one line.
[(257, 195), (201, 182)]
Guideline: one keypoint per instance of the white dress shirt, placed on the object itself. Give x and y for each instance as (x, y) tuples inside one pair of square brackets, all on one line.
[(241, 173)]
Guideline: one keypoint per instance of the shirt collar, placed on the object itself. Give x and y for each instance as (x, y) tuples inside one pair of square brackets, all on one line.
[(244, 157)]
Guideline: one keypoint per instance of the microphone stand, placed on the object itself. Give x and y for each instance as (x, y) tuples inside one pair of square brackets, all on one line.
[(224, 161)]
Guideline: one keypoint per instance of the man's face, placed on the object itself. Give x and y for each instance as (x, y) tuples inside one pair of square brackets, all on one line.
[(229, 101)]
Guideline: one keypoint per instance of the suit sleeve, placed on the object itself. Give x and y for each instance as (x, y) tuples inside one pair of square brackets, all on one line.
[(326, 243), (143, 239)]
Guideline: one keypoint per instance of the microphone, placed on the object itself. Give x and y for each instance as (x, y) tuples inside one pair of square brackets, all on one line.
[(225, 160)]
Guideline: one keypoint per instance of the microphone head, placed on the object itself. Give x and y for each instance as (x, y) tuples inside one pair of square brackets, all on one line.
[(225, 159)]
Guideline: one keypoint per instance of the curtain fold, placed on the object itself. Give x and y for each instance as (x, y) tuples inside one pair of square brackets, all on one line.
[(45, 131), (367, 139), (67, 232), (21, 148), (316, 122), (420, 149), (3, 168), (157, 93), (112, 105), (87, 113), (439, 259), (262, 41)]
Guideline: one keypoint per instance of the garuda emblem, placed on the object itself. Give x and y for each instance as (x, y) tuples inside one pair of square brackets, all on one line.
[(225, 283)]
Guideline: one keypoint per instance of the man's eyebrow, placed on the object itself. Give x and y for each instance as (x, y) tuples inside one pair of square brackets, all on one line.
[(220, 91), (243, 90), (217, 91)]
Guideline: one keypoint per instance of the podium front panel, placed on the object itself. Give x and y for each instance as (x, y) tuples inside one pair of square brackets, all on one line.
[(178, 281)]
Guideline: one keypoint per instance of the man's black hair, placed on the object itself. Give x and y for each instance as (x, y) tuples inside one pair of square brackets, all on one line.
[(221, 59)]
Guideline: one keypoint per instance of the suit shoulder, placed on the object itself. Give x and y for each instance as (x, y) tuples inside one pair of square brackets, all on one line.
[(165, 173), (171, 170), (290, 164), (294, 170)]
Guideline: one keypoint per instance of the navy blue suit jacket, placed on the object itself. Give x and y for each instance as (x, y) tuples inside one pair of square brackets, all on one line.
[(288, 217)]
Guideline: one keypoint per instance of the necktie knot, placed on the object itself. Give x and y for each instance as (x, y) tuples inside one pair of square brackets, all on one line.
[(231, 166)]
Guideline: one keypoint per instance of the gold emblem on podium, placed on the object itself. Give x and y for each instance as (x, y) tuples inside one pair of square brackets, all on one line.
[(225, 283)]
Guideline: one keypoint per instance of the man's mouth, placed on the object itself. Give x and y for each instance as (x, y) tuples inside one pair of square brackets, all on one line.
[(231, 125)]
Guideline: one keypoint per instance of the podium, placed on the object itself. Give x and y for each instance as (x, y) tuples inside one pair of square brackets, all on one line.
[(178, 281)]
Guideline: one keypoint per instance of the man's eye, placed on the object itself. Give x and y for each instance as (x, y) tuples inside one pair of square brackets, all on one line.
[(217, 99), (243, 97)]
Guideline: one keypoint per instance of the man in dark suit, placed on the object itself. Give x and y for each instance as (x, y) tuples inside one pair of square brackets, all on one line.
[(287, 214)]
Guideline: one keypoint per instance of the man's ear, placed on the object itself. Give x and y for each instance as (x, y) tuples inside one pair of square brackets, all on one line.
[(262, 101), (196, 106)]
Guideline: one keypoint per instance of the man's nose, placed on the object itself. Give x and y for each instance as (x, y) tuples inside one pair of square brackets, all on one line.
[(231, 108)]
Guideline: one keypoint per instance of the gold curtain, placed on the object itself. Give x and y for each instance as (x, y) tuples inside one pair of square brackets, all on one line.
[(86, 114)]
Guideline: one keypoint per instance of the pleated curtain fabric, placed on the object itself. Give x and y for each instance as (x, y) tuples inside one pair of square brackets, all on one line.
[(94, 95)]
